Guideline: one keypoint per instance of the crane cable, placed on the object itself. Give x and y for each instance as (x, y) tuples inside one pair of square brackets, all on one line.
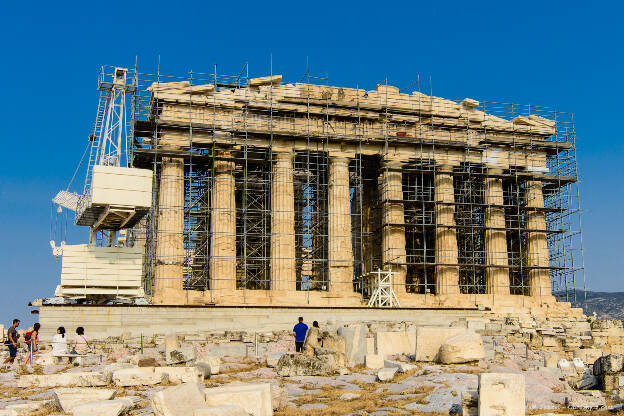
[(80, 163), (54, 225)]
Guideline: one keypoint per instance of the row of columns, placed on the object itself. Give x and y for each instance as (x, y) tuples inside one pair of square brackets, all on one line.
[(446, 250), (169, 271)]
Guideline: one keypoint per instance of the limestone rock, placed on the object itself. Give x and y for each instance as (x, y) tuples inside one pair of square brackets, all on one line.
[(28, 408), (303, 365), (462, 348), (178, 375), (171, 342), (349, 396), (279, 396), (586, 400), (203, 369), (565, 366), (109, 369), (470, 403), (143, 376), (255, 398), (182, 355), (588, 355), (45, 359), (355, 343), (551, 359), (147, 362), (211, 360), (609, 364), (587, 381), (273, 358), (402, 367), (578, 365), (374, 361), (68, 398), (395, 343), (103, 408), (386, 374), (224, 410), (83, 379), (370, 346), (430, 339), (333, 342), (501, 394), (334, 358), (609, 382), (180, 400)]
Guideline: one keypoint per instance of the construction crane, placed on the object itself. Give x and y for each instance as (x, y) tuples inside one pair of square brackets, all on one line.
[(116, 196)]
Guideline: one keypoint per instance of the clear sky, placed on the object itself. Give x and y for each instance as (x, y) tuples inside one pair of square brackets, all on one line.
[(565, 55)]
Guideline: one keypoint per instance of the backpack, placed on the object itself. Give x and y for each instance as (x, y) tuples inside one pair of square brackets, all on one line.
[(28, 336)]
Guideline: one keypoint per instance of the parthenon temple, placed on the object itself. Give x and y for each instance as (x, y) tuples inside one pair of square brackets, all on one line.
[(296, 194)]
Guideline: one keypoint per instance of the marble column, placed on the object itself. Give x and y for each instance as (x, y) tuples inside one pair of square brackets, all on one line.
[(339, 206), (283, 224), (393, 219), (223, 227), (537, 243), (169, 269), (447, 271), (496, 257)]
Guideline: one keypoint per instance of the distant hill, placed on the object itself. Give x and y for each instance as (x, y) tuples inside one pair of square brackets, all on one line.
[(607, 305)]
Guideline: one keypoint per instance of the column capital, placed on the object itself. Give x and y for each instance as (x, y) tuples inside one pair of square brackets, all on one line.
[(338, 154), (339, 160), (444, 168), (392, 163), (494, 170), (222, 152), (222, 165), (283, 155)]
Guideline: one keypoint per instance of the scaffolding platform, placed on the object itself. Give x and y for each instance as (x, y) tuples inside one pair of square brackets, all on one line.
[(118, 198)]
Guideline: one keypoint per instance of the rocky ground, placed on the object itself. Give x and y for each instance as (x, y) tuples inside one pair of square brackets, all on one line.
[(118, 379)]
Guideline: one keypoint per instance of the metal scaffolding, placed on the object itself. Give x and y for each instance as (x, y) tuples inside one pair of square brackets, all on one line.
[(219, 126)]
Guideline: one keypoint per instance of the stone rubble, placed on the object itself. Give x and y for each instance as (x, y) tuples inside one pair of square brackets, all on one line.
[(509, 364)]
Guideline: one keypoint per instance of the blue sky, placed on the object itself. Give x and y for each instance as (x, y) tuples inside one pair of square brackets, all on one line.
[(565, 55)]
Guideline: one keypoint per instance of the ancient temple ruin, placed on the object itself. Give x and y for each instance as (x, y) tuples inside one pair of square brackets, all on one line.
[(272, 193)]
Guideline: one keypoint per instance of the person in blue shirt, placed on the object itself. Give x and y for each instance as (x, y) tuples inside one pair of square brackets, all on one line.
[(299, 331)]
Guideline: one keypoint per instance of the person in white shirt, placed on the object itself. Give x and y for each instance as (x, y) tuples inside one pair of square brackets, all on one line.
[(59, 342)]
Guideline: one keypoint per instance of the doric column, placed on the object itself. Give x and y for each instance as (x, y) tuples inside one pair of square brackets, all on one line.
[(169, 271), (537, 243), (339, 206), (223, 227), (497, 275), (447, 277), (393, 223), (283, 224)]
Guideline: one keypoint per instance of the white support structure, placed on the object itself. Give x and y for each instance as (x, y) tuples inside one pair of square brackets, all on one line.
[(109, 272), (382, 293)]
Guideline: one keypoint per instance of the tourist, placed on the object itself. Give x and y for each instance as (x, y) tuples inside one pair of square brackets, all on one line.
[(299, 331), (11, 342), (59, 342), (80, 345), (32, 341)]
